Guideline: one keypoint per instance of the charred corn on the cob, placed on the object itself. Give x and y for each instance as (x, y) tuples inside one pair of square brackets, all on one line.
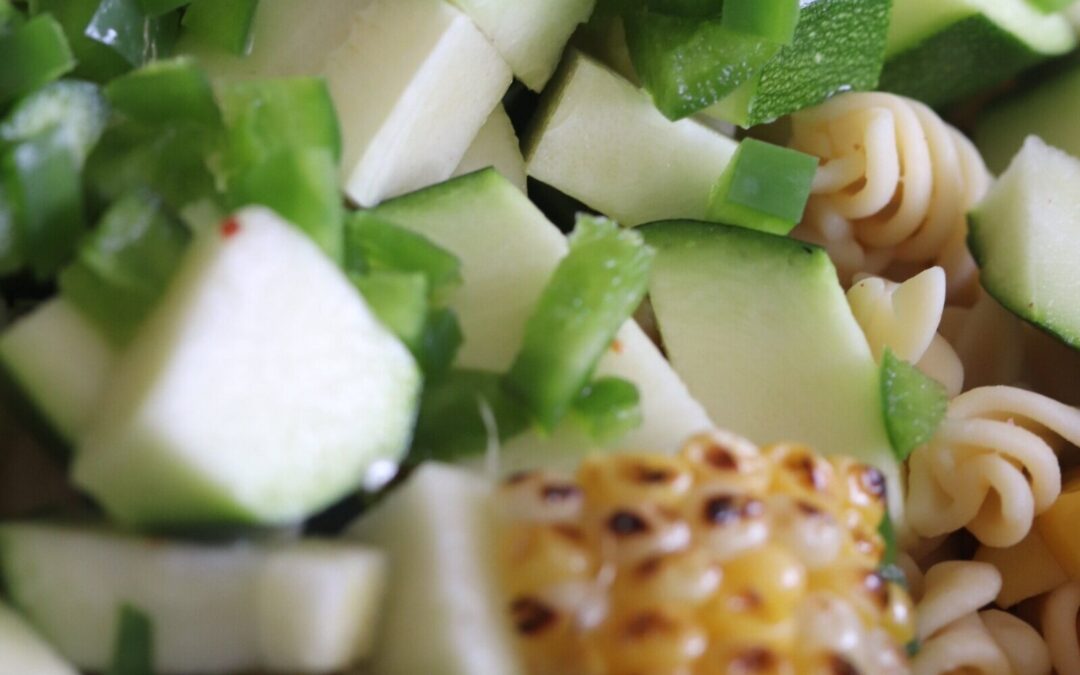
[(722, 559)]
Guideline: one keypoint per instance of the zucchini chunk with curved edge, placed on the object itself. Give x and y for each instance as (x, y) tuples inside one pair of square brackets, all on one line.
[(307, 606), (260, 389), (1025, 235)]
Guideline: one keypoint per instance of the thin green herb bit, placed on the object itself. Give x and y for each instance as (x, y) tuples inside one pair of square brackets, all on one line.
[(591, 294), (914, 404), (133, 651)]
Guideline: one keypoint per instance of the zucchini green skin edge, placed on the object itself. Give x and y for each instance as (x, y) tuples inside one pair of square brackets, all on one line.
[(966, 58), (839, 46), (1028, 313)]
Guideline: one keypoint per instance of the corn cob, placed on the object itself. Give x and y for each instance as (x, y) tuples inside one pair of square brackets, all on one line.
[(721, 559)]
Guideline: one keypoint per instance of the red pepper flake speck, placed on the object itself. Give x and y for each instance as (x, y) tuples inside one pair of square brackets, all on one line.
[(616, 346), (230, 228)]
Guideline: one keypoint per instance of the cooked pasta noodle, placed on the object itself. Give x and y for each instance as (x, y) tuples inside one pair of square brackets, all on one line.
[(990, 467), (894, 186), (1059, 627), (1025, 649), (905, 317), (952, 635)]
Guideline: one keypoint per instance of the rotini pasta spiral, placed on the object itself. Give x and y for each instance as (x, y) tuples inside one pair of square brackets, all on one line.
[(905, 317), (1059, 627), (957, 637), (895, 185), (990, 467)]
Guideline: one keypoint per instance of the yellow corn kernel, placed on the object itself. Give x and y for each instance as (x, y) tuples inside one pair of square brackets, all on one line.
[(727, 461), (538, 556), (538, 496), (801, 472), (634, 479), (547, 636), (863, 488), (728, 524), (734, 659), (813, 535), (1057, 525), (861, 587), (631, 535), (767, 582), (661, 639), (688, 577)]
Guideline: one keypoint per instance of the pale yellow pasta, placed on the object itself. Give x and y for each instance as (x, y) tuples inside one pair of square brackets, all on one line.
[(1025, 649), (991, 467), (952, 590), (894, 186), (1059, 628), (953, 636), (905, 318)]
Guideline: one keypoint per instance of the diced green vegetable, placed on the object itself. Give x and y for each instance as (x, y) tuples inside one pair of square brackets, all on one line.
[(442, 340), (10, 17), (1047, 110), (301, 185), (839, 46), (689, 64), (765, 187), (283, 149), (609, 407), (42, 179), (125, 28), (599, 139), (77, 110), (1024, 236), (591, 294), (10, 250), (452, 423), (227, 24), (170, 160), (165, 92), (96, 61), (60, 364), (400, 300), (914, 404), (268, 114), (693, 8), (373, 244), (133, 651), (156, 7), (940, 51), (31, 55), (773, 20), (124, 266), (760, 330)]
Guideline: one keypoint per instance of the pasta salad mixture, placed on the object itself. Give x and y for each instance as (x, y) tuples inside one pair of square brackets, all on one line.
[(539, 337)]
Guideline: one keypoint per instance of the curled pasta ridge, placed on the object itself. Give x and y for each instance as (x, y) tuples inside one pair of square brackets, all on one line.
[(894, 186), (905, 318), (956, 636), (991, 467)]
